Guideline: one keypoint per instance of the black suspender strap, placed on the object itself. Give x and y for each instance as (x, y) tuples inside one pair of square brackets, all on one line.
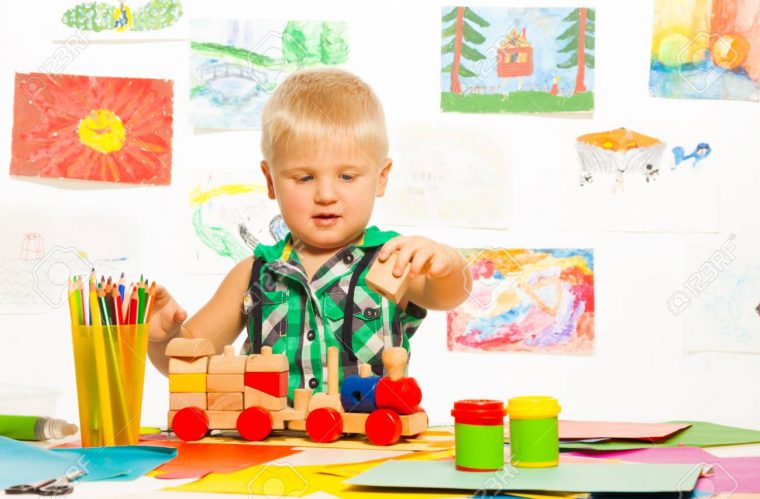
[(348, 308), (256, 297)]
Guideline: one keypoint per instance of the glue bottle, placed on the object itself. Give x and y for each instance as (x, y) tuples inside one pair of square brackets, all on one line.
[(35, 427)]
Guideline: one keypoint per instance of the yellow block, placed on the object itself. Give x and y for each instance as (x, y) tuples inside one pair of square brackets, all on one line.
[(187, 383)]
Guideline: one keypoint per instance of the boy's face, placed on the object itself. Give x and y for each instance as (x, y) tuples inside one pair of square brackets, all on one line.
[(326, 195)]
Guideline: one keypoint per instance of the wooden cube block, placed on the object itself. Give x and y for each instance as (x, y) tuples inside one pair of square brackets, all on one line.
[(266, 361), (354, 422), (227, 363), (222, 420), (187, 383), (179, 401), (258, 398), (224, 383), (225, 401), (413, 424), (273, 383), (381, 280), (319, 400), (187, 347), (187, 365)]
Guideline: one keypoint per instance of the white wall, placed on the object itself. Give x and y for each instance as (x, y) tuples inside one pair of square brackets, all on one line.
[(638, 371)]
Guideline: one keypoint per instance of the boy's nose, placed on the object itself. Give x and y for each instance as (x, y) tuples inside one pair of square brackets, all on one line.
[(325, 193)]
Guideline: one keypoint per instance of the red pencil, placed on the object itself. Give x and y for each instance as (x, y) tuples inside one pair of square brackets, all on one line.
[(133, 305)]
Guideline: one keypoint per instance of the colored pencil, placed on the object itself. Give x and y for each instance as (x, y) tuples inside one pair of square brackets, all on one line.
[(151, 301), (122, 286)]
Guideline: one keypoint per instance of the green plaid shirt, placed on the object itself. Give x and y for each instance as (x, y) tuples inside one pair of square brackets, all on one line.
[(302, 319)]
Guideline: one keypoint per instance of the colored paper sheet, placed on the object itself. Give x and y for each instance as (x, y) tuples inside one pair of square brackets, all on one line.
[(699, 434), (195, 460), (729, 474), (584, 430), (24, 463), (603, 477)]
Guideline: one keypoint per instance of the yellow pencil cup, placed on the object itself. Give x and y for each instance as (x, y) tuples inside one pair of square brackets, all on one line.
[(110, 371)]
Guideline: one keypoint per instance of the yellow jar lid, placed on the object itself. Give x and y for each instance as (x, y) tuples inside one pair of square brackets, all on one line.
[(533, 407)]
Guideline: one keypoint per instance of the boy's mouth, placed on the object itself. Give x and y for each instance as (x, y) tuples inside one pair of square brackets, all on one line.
[(326, 219), (326, 216)]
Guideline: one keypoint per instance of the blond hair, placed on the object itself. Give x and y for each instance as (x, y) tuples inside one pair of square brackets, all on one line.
[(314, 105)]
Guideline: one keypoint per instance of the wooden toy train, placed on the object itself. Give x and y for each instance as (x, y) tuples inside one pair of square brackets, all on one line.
[(248, 393)]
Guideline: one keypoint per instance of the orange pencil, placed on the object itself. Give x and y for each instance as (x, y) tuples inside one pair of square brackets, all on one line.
[(151, 299)]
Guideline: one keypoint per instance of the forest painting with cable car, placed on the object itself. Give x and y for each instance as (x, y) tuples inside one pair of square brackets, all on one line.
[(517, 60)]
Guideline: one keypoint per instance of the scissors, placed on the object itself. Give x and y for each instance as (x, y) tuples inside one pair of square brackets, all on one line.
[(51, 487)]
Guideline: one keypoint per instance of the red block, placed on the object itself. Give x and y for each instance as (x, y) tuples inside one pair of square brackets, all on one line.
[(275, 384), (403, 395)]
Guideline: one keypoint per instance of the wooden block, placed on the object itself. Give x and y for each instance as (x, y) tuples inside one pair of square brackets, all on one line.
[(192, 348), (187, 383), (319, 400), (301, 398), (254, 397), (222, 420), (266, 361), (179, 401), (413, 424), (381, 280), (187, 365), (353, 422), (279, 418), (169, 418), (225, 401), (297, 425), (227, 363), (225, 383), (273, 383)]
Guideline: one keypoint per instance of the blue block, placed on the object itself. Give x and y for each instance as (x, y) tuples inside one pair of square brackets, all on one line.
[(358, 394)]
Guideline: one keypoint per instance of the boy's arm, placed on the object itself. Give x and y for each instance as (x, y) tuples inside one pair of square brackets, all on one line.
[(220, 320), (440, 279)]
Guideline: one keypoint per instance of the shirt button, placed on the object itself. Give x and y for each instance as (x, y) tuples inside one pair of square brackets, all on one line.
[(311, 335), (371, 313), (313, 383), (348, 259)]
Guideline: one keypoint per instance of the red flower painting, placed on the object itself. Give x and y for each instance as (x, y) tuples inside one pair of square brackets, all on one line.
[(92, 128)]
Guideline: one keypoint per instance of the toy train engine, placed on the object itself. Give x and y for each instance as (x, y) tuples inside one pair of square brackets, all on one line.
[(249, 394)]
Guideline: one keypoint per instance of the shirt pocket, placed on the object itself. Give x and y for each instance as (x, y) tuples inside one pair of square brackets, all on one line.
[(367, 331), (274, 312)]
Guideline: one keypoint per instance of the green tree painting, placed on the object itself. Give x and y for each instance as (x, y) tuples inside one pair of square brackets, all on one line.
[(463, 36), (309, 43), (579, 40)]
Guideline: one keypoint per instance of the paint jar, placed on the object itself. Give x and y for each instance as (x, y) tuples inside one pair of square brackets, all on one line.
[(479, 435), (533, 431)]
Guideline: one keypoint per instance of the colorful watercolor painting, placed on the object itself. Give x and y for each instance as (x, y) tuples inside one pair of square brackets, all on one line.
[(437, 164), (706, 49), (236, 65), (230, 216), (617, 154), (527, 60), (92, 128), (720, 299), (534, 300), (122, 16)]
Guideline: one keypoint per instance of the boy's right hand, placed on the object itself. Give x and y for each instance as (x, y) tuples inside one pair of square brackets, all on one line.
[(167, 317)]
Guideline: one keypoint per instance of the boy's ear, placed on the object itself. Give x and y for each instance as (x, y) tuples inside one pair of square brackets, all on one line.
[(268, 175), (382, 179)]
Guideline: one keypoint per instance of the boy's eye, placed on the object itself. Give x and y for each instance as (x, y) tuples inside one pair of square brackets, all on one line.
[(346, 176), (304, 178)]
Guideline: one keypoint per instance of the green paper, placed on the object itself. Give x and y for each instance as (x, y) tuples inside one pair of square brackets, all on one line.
[(602, 477), (699, 434)]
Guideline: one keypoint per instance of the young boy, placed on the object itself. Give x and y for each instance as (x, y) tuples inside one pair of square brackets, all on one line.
[(325, 147)]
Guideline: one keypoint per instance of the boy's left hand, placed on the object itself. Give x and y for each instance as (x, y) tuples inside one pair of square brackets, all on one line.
[(426, 256)]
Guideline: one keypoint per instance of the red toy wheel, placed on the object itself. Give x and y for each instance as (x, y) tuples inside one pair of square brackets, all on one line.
[(324, 425), (383, 427), (254, 424), (190, 423)]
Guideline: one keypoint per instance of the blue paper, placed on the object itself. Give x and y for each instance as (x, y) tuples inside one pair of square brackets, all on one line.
[(26, 463)]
